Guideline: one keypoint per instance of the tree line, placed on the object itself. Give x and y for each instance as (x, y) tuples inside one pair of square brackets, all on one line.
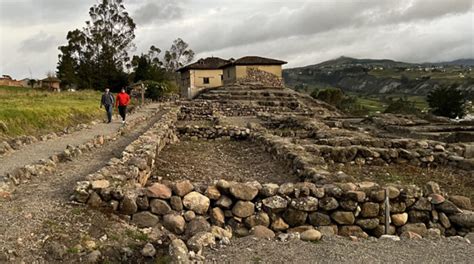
[(99, 54)]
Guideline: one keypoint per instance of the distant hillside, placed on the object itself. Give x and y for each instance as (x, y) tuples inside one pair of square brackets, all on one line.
[(381, 76)]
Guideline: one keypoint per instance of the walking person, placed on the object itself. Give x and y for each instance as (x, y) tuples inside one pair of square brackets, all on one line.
[(108, 102), (122, 101)]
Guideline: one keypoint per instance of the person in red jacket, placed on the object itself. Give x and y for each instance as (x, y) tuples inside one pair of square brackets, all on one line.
[(122, 101)]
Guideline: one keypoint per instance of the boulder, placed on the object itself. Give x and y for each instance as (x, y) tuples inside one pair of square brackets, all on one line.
[(352, 230), (370, 209), (243, 209), (448, 207), (224, 202), (343, 218), (181, 188), (196, 202), (462, 202), (269, 189), (178, 252), (128, 205), (200, 240), (158, 190), (319, 219), (243, 191), (160, 207), (262, 232), (198, 224), (368, 224), (328, 203), (310, 235), (295, 217), (174, 223), (260, 218), (464, 219), (399, 219), (307, 204), (145, 219), (275, 203)]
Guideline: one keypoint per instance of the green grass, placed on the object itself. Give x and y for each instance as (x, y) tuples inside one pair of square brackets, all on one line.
[(378, 104), (25, 111)]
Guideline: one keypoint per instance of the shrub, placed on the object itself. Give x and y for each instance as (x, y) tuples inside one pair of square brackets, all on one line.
[(402, 106), (447, 101)]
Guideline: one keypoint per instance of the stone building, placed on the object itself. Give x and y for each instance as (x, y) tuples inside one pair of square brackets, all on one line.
[(51, 83), (203, 74), (6, 80), (265, 71)]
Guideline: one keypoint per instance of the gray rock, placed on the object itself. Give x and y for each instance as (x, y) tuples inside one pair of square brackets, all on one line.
[(423, 204), (198, 224), (328, 203), (286, 188), (295, 217), (261, 218), (181, 188), (217, 216), (310, 235), (343, 218), (224, 202), (148, 250), (307, 204), (419, 228), (128, 206), (368, 224), (176, 203), (275, 203), (93, 257), (145, 219), (178, 252), (464, 219), (448, 207), (160, 207), (174, 223), (269, 189), (262, 232), (200, 240), (319, 219)]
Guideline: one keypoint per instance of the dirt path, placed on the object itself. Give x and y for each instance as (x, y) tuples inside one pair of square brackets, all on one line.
[(342, 250), (44, 149), (40, 224)]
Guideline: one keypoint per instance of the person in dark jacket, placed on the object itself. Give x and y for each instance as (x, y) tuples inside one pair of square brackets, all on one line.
[(108, 102), (122, 101)]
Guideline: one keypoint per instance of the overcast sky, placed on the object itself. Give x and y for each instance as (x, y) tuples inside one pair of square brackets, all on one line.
[(301, 32)]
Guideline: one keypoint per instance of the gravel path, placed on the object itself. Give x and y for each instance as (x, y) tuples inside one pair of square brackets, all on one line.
[(342, 250), (40, 225), (44, 149)]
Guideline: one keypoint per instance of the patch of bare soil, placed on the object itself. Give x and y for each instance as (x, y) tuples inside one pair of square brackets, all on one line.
[(342, 250), (453, 181), (205, 161)]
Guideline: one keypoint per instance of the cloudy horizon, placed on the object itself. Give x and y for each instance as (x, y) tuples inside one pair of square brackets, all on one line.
[(300, 32)]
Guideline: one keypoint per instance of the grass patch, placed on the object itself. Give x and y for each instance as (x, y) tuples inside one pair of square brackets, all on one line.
[(137, 235), (25, 111)]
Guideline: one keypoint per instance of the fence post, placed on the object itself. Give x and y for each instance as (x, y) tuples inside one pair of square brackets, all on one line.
[(387, 211)]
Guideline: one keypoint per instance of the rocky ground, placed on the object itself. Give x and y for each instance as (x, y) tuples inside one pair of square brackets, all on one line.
[(342, 250), (205, 161)]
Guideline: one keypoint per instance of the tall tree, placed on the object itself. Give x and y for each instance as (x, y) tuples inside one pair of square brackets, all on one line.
[(179, 55), (148, 66), (98, 54)]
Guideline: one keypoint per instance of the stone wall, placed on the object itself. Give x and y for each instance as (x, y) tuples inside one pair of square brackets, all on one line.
[(254, 75), (214, 132)]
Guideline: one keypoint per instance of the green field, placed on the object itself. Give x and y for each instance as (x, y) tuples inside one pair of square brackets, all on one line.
[(24, 111), (378, 104)]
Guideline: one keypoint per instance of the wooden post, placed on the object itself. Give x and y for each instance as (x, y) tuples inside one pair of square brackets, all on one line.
[(387, 211), (143, 93)]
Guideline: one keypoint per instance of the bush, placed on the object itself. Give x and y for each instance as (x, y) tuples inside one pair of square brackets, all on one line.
[(447, 101), (155, 90), (330, 96), (402, 106)]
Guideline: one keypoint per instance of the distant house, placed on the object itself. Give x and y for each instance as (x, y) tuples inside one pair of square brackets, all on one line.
[(254, 69), (51, 83), (202, 74), (7, 80)]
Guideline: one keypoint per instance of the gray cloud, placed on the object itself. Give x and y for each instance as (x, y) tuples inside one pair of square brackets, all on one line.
[(38, 43), (161, 10)]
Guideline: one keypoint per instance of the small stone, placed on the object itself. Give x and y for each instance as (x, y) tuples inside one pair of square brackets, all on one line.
[(221, 233), (410, 235), (243, 191), (415, 216), (423, 204), (148, 250), (310, 235), (189, 215), (343, 218), (419, 228), (436, 198), (100, 184), (328, 231), (357, 196), (444, 220), (368, 224), (307, 204), (433, 233), (128, 205), (390, 237), (243, 209), (176, 203), (181, 188), (196, 202), (470, 237), (399, 219), (352, 230), (348, 205), (145, 219), (262, 232), (380, 230), (94, 200), (198, 224), (286, 188), (432, 187), (159, 207), (158, 190), (295, 217), (174, 223), (328, 203)]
